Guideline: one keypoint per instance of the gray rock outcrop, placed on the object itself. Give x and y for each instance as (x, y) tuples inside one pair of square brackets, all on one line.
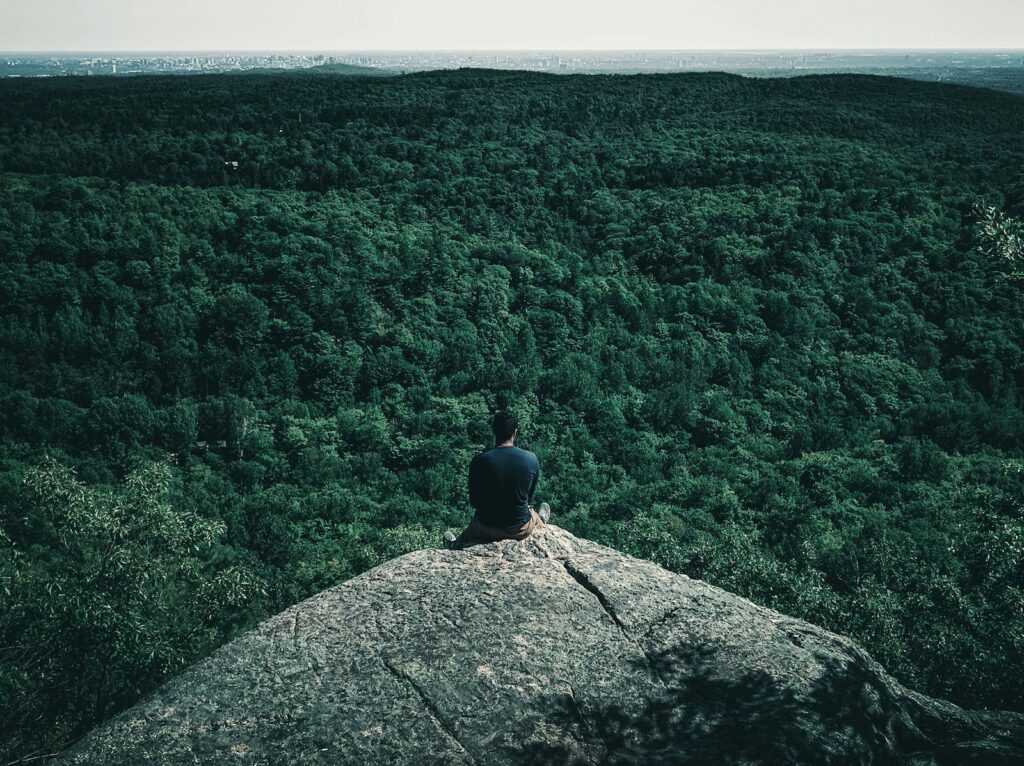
[(551, 650)]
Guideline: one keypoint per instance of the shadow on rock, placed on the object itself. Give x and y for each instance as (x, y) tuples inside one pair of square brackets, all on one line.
[(846, 716)]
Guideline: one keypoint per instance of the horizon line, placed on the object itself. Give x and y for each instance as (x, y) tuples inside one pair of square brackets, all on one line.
[(505, 50)]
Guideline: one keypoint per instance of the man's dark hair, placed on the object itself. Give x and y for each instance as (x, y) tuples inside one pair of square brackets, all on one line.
[(504, 425)]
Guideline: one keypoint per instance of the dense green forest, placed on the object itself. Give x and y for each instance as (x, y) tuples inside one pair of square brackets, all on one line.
[(252, 330)]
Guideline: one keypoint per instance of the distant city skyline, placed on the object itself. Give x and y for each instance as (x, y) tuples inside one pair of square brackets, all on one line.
[(419, 25)]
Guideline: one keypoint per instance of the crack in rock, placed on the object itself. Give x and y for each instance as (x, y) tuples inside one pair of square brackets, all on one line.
[(432, 710), (588, 585), (587, 727)]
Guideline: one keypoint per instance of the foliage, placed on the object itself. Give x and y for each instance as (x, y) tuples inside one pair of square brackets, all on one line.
[(749, 327), (104, 590), (1002, 238)]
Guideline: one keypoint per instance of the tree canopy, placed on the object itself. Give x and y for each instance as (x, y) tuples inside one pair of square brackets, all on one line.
[(252, 330)]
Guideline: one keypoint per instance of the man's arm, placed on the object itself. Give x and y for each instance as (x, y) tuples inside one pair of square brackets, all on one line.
[(474, 483), (533, 484)]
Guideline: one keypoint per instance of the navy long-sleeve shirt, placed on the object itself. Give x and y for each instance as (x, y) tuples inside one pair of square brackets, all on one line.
[(502, 481)]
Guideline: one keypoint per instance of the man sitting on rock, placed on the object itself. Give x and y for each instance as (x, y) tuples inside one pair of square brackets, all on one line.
[(502, 481)]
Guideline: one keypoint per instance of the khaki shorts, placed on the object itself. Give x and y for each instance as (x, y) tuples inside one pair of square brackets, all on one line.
[(477, 533)]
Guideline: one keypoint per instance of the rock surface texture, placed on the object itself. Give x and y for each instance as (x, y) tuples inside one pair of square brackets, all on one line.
[(550, 650)]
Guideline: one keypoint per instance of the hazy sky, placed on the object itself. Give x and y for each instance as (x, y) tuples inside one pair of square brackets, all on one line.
[(27, 25)]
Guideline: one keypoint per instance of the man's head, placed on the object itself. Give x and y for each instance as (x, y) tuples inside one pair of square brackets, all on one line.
[(504, 425)]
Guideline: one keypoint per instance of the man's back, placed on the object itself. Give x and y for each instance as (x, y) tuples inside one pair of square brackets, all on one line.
[(501, 484)]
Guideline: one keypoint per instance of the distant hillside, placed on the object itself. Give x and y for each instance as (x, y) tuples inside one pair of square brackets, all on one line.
[(351, 70), (1009, 79), (348, 69)]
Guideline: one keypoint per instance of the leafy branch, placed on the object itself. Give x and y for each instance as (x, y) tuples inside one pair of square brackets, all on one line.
[(1001, 237)]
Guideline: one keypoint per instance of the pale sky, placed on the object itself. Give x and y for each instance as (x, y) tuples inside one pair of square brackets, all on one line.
[(339, 25)]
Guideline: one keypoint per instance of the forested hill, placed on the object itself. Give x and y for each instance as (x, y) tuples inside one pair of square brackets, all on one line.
[(330, 70), (746, 325)]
